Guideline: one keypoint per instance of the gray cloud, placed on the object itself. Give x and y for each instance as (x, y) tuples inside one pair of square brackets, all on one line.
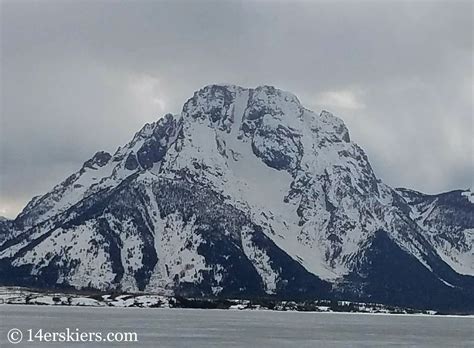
[(82, 76)]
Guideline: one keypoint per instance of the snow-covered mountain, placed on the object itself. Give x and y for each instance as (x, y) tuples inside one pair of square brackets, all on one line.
[(245, 193), (448, 222)]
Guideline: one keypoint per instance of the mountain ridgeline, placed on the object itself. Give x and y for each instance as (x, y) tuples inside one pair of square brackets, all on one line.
[(244, 194)]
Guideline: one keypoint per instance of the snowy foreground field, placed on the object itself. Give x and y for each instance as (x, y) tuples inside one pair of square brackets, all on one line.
[(23, 296), (224, 328)]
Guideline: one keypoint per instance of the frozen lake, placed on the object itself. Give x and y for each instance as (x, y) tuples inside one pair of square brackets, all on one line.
[(227, 328)]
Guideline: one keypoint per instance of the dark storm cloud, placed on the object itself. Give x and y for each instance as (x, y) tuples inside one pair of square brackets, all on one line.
[(82, 76)]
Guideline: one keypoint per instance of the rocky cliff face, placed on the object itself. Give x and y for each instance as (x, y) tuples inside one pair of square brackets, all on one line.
[(245, 193)]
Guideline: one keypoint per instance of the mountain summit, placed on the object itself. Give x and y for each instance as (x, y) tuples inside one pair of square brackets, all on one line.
[(246, 193)]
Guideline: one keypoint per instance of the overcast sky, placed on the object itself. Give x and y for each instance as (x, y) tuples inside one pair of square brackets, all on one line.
[(78, 77)]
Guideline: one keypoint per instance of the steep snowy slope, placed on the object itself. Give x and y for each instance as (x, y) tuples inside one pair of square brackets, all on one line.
[(245, 193), (448, 221), (102, 172)]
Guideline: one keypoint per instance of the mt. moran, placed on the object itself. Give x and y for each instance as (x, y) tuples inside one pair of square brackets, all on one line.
[(246, 193)]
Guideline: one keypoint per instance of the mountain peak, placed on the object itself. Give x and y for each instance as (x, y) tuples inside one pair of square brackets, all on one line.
[(217, 96), (261, 107)]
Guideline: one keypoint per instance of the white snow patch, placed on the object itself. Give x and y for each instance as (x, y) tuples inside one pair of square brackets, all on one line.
[(260, 260)]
